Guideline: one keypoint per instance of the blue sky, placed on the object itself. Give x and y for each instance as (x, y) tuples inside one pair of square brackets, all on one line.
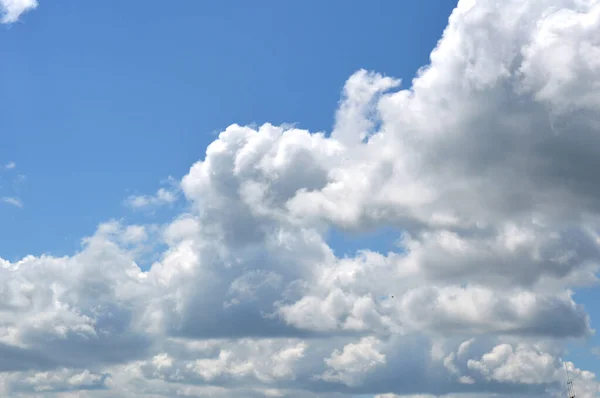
[(103, 101)]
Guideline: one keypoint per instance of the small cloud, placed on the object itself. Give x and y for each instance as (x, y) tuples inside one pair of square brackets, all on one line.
[(162, 197), (11, 10), (13, 201), (596, 351), (10, 165)]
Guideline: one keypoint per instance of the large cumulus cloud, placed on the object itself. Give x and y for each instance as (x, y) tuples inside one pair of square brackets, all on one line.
[(484, 167)]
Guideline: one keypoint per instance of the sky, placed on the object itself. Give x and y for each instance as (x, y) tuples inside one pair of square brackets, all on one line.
[(332, 199)]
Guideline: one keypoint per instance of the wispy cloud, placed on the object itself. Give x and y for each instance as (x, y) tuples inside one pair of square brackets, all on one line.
[(11, 10), (13, 201), (9, 197), (162, 197)]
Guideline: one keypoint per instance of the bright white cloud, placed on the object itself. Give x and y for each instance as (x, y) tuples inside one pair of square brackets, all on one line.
[(350, 365), (507, 364), (11, 10), (485, 168)]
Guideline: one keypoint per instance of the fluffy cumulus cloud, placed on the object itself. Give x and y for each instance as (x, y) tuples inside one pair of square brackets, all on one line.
[(11, 10), (485, 165)]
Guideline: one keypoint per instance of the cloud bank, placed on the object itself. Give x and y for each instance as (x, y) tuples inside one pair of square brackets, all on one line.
[(485, 165)]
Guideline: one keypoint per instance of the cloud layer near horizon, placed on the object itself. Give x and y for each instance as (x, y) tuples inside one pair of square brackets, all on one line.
[(486, 168)]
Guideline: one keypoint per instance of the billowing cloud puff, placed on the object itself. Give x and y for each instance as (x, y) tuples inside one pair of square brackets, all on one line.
[(484, 167)]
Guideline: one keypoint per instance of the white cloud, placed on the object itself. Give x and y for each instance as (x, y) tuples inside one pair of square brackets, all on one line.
[(485, 166), (11, 10), (522, 365), (351, 364), (162, 197), (135, 234), (12, 201), (62, 380), (8, 197)]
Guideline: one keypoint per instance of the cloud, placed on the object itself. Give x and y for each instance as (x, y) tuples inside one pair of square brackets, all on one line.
[(13, 201), (162, 197), (12, 198), (351, 364), (521, 364), (60, 381), (11, 10), (484, 167)]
